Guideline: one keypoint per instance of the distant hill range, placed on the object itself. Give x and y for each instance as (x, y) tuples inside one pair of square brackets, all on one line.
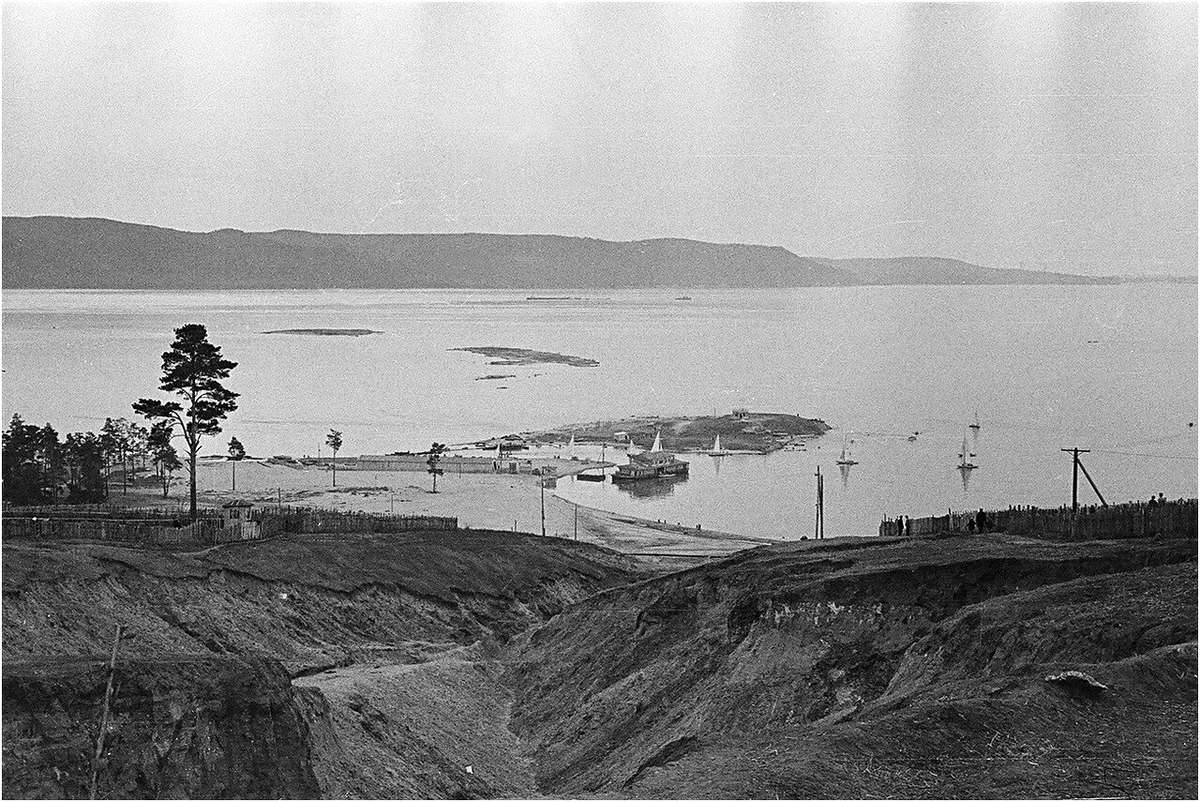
[(94, 253)]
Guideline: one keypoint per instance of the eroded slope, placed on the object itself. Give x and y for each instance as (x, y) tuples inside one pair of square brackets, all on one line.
[(871, 669)]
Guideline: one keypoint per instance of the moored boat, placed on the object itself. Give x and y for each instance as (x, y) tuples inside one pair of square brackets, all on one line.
[(651, 464), (846, 459), (964, 458)]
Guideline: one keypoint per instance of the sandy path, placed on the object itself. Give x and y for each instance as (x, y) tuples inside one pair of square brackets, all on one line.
[(479, 501)]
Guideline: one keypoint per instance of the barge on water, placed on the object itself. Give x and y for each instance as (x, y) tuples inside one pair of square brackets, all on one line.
[(651, 465)]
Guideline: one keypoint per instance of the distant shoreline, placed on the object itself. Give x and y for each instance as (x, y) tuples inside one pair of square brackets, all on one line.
[(56, 252), (326, 332), (757, 432)]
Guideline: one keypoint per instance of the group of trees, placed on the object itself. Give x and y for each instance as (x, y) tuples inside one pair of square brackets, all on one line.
[(39, 468)]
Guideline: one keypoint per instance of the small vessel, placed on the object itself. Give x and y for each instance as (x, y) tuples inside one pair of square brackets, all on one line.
[(652, 464), (976, 425), (912, 438), (595, 477), (717, 451), (964, 458), (846, 459)]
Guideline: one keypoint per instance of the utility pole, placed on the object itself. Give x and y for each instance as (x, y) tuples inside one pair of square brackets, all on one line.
[(1076, 467), (542, 484), (819, 532), (577, 522), (1074, 480), (393, 502)]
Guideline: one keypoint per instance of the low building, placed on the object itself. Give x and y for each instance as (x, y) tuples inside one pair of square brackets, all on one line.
[(235, 516)]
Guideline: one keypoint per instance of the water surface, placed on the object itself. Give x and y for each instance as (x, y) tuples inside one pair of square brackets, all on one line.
[(1110, 368)]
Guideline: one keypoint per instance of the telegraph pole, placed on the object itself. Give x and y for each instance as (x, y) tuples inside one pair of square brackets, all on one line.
[(1076, 467), (542, 484), (577, 522), (819, 534)]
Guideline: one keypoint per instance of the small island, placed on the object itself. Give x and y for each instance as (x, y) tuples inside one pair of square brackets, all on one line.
[(759, 432), (327, 332), (524, 356)]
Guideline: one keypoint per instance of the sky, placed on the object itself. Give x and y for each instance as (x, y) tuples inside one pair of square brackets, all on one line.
[(1045, 136)]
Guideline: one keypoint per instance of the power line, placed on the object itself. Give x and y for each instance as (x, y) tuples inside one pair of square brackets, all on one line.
[(1137, 454)]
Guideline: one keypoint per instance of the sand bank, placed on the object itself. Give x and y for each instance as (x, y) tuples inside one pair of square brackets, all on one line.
[(479, 501)]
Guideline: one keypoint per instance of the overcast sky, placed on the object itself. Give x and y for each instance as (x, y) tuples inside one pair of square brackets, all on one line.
[(1056, 137)]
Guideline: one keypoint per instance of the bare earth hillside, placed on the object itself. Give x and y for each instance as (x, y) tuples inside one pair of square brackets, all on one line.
[(492, 665), (874, 669)]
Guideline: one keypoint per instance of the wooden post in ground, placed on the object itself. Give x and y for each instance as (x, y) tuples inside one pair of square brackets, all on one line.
[(1075, 452), (108, 692), (819, 534), (816, 522), (542, 484), (577, 522), (1087, 476)]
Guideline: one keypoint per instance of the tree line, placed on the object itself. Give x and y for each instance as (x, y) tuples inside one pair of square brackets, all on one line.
[(42, 468)]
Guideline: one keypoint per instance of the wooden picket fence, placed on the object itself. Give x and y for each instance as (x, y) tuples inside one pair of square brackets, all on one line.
[(158, 527), (312, 520), (1169, 519)]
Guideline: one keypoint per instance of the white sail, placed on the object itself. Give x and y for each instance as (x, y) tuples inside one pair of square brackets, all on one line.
[(633, 449), (717, 444), (657, 442), (571, 446)]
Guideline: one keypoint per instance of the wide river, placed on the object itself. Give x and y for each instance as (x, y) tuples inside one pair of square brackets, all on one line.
[(1112, 369)]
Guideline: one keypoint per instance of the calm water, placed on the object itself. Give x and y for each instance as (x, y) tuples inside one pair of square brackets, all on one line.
[(1113, 369)]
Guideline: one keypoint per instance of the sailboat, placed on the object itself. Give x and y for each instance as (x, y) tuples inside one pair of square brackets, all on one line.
[(964, 458), (571, 446), (717, 451), (846, 459), (976, 425), (657, 442)]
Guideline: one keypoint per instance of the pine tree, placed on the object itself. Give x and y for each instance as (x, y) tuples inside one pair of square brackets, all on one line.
[(192, 370)]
